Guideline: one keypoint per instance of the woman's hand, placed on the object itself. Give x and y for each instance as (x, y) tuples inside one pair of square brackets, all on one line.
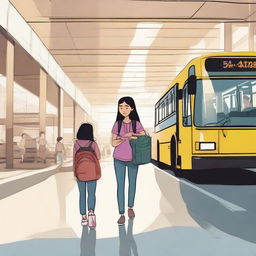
[(116, 140), (128, 135)]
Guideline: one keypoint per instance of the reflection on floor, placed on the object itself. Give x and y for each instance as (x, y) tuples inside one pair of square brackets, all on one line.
[(171, 219)]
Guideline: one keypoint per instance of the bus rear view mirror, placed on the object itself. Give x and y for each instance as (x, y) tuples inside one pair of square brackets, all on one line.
[(192, 85)]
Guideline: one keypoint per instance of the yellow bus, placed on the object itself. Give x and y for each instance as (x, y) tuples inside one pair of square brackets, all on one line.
[(207, 116)]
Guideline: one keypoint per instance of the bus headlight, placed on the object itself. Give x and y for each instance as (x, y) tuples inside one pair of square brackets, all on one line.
[(207, 145)]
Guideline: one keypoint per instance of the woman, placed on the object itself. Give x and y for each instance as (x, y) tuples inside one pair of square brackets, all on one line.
[(85, 139), (127, 121)]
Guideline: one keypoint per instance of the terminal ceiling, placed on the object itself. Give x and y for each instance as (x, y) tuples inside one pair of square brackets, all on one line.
[(116, 48)]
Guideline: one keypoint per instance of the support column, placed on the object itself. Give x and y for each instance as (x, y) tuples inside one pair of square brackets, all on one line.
[(42, 100), (252, 10), (9, 103), (61, 112), (227, 37), (74, 120)]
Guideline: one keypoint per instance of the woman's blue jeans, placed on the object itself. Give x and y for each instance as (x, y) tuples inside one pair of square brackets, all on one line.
[(120, 170), (91, 188)]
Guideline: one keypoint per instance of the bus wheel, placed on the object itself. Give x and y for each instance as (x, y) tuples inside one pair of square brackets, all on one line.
[(158, 153)]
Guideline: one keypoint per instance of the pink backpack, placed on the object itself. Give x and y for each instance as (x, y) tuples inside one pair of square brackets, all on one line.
[(87, 166)]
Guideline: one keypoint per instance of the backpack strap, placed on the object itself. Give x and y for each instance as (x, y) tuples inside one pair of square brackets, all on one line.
[(134, 126), (89, 146), (119, 127)]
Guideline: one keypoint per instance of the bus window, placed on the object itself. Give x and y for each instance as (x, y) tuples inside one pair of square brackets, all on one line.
[(160, 113), (191, 71), (167, 106), (163, 109), (171, 102), (225, 102), (156, 115), (186, 107), (174, 100)]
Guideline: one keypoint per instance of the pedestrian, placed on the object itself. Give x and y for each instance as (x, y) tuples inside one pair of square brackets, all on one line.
[(22, 147), (42, 147), (126, 128), (59, 150), (86, 157)]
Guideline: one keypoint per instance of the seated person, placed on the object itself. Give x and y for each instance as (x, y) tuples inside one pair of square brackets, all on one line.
[(247, 105)]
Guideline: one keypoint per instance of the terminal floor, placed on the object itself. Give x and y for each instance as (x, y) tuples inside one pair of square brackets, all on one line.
[(173, 217)]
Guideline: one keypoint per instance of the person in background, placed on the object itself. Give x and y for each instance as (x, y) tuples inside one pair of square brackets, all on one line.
[(42, 149), (246, 102), (59, 150), (22, 146)]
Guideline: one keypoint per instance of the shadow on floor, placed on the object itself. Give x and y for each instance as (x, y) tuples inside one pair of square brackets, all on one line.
[(168, 241), (218, 176)]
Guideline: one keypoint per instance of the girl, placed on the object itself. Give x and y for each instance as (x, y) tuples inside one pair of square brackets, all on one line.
[(122, 132), (84, 139)]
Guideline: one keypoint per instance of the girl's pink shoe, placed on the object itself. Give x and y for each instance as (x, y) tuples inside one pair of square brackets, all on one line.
[(91, 220)]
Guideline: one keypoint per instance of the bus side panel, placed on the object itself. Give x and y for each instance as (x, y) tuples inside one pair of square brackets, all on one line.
[(184, 143), (165, 144), (164, 138)]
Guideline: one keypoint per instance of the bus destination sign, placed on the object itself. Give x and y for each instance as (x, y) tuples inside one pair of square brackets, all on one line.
[(230, 64)]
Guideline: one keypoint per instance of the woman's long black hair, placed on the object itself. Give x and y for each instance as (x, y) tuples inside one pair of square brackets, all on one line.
[(85, 132), (129, 101)]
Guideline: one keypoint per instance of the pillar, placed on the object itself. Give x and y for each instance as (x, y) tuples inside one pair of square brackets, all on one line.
[(61, 112), (227, 37), (42, 100), (9, 103)]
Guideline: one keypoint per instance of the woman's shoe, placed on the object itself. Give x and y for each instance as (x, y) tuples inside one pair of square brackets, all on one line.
[(91, 220), (131, 213), (121, 220), (84, 222)]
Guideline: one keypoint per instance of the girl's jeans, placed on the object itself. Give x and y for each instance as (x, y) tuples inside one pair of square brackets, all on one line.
[(91, 188), (120, 170)]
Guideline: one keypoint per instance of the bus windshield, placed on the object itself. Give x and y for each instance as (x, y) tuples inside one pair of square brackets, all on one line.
[(225, 102)]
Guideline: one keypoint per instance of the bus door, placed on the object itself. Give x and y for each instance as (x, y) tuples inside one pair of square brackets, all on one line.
[(185, 129)]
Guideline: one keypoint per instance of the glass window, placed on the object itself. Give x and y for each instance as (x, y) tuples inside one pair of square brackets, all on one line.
[(3, 43), (186, 107), (240, 39), (156, 115), (163, 109), (52, 115), (174, 99), (191, 71), (68, 124), (225, 102), (167, 106), (80, 117), (170, 102), (2, 143), (26, 107)]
